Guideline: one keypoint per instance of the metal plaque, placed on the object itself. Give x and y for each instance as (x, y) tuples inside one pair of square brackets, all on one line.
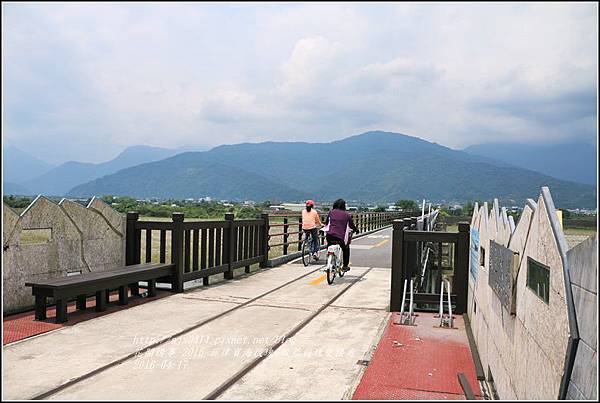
[(500, 273), (474, 258)]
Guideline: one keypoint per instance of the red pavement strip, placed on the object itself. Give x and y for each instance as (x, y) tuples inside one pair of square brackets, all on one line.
[(424, 367), (23, 325)]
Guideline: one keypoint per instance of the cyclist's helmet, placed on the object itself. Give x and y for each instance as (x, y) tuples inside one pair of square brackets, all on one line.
[(310, 203)]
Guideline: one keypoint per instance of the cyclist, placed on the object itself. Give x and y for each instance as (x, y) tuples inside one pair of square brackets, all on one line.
[(339, 221), (311, 223)]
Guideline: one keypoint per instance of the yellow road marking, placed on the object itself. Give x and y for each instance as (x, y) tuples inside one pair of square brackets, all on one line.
[(382, 243), (318, 280)]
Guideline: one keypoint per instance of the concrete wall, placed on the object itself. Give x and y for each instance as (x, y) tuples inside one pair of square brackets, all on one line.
[(83, 239), (524, 349), (583, 268)]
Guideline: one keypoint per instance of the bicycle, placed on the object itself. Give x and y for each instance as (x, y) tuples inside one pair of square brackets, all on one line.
[(306, 248), (335, 261)]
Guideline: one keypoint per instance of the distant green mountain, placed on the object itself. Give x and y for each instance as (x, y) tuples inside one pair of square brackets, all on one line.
[(570, 161), (186, 176), (373, 167), (59, 180)]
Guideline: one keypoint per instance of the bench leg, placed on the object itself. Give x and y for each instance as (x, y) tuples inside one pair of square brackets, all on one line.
[(40, 307), (81, 300), (107, 297), (61, 311), (101, 300), (205, 281), (123, 295), (247, 269), (152, 288), (135, 289)]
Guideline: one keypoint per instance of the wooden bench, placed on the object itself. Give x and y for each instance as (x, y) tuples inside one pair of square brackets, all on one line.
[(79, 286)]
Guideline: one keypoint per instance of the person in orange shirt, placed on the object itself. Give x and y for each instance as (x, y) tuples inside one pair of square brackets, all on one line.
[(311, 223)]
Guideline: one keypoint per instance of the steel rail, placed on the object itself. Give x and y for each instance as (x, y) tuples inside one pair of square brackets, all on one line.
[(119, 361), (218, 391)]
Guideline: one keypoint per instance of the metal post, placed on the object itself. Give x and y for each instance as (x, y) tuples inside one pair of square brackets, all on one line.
[(450, 319), (410, 308), (403, 300), (439, 272), (411, 251), (442, 306), (429, 218), (177, 251)]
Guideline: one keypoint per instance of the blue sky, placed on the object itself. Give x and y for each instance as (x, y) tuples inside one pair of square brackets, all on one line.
[(83, 81)]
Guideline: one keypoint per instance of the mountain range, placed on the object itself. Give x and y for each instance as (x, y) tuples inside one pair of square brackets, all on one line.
[(371, 167), (572, 161), (19, 166), (57, 181)]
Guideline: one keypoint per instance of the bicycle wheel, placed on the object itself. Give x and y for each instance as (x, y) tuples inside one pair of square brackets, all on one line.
[(331, 269), (305, 252)]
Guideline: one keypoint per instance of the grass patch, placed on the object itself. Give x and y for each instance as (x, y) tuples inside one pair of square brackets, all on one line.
[(580, 231)]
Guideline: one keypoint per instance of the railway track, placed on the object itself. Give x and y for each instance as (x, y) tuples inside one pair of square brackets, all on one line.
[(239, 374)]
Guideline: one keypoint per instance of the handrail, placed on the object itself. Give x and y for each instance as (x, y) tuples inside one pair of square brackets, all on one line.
[(289, 225), (199, 249), (403, 301), (450, 317), (410, 317)]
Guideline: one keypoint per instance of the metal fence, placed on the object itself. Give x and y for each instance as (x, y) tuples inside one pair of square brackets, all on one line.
[(410, 239)]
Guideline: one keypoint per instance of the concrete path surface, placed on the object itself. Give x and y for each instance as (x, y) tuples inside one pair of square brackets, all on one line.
[(280, 333)]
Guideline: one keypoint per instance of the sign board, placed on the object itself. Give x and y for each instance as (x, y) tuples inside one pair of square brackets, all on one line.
[(500, 273), (474, 256)]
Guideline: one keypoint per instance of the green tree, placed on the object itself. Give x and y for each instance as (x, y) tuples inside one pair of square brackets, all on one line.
[(457, 211), (468, 209), (17, 201), (407, 205)]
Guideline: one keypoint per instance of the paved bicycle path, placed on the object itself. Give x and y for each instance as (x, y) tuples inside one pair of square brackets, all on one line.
[(193, 365), (373, 250)]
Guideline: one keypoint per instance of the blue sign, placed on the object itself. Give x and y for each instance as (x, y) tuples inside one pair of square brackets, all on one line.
[(474, 259)]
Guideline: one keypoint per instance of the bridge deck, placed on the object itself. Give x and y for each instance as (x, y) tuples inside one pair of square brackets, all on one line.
[(419, 363), (220, 341)]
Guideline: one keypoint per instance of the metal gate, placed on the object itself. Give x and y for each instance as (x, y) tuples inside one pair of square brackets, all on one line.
[(428, 258)]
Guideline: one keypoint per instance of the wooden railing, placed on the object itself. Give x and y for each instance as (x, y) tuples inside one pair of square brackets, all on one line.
[(198, 249)]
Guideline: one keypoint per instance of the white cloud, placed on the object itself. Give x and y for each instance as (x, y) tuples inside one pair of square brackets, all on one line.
[(111, 75)]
